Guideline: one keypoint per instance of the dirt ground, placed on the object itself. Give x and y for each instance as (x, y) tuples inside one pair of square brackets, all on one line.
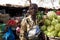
[(0, 39)]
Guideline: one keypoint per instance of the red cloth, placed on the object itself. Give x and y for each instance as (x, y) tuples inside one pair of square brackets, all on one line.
[(58, 12), (12, 22)]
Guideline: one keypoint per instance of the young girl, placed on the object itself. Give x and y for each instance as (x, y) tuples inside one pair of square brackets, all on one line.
[(28, 22)]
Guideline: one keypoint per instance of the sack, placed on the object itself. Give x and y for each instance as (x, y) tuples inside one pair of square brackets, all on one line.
[(9, 35), (34, 31)]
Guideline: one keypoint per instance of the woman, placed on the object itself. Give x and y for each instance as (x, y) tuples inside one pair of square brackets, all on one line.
[(28, 22)]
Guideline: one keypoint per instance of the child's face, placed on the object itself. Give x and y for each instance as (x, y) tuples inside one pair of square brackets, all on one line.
[(32, 11)]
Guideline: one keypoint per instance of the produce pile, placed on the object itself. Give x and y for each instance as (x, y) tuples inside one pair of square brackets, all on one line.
[(51, 26), (39, 16)]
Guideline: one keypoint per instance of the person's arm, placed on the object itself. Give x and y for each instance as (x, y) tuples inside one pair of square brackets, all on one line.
[(22, 30)]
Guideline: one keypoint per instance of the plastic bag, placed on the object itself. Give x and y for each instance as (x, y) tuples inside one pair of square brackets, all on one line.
[(3, 26), (34, 31), (9, 35)]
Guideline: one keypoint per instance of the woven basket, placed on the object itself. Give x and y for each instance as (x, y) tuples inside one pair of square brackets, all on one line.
[(51, 38), (54, 38)]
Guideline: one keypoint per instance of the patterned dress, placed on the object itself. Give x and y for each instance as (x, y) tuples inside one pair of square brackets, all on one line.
[(26, 24)]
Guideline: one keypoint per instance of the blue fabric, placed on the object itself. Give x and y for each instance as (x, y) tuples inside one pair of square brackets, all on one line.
[(37, 30), (9, 35)]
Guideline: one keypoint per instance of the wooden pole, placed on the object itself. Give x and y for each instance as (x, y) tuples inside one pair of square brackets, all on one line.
[(30, 2)]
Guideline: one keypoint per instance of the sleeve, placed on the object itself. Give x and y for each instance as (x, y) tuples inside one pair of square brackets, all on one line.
[(23, 24)]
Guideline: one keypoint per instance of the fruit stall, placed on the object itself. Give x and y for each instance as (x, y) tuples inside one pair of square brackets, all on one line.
[(48, 15)]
